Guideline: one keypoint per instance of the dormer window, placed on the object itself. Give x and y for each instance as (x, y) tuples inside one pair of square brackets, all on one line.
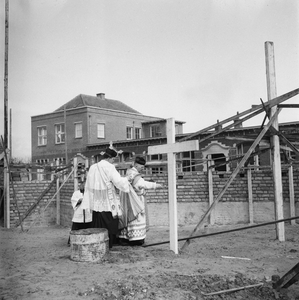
[(155, 130)]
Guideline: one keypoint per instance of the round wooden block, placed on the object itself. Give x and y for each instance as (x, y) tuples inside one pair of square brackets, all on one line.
[(90, 244)]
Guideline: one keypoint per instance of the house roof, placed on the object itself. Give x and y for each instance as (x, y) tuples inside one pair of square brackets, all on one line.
[(97, 101)]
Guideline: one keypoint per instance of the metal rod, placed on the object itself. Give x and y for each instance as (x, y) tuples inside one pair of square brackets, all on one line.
[(225, 231)]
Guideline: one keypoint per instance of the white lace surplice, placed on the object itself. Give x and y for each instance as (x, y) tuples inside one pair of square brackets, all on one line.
[(100, 194)]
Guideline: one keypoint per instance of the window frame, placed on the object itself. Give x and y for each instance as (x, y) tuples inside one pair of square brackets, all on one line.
[(80, 131), (155, 130), (137, 133), (43, 136), (129, 132), (102, 131), (62, 138)]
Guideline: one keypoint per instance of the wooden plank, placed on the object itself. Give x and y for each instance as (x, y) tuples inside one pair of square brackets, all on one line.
[(233, 175), (288, 105), (269, 104), (288, 279), (171, 166), (174, 147), (292, 194)]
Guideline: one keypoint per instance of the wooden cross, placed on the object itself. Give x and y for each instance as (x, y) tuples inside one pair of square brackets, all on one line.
[(171, 148)]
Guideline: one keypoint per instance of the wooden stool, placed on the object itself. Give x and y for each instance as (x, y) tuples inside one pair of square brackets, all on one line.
[(90, 244)]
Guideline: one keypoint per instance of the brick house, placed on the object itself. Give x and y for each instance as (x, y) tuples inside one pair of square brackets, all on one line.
[(87, 124), (90, 120)]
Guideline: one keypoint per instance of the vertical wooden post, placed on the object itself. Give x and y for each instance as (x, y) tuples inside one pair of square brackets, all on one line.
[(250, 197), (211, 190), (171, 165), (57, 197), (271, 89), (292, 195), (6, 195)]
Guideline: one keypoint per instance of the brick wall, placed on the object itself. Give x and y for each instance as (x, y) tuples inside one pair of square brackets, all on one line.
[(192, 197)]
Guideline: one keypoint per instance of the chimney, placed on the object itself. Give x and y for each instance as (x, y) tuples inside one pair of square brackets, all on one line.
[(101, 96)]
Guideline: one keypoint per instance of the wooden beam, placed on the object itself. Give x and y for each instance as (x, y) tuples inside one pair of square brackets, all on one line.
[(269, 104), (292, 194), (271, 90), (288, 105), (250, 197), (288, 279), (275, 131)]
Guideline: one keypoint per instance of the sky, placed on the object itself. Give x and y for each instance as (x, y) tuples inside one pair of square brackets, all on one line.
[(196, 61)]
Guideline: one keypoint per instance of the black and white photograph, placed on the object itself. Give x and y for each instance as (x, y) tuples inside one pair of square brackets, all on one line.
[(149, 150)]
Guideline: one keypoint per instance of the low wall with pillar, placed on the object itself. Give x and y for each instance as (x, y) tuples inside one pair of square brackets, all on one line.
[(192, 198)]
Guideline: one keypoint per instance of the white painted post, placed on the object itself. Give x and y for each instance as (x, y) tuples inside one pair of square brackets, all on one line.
[(271, 88), (171, 148)]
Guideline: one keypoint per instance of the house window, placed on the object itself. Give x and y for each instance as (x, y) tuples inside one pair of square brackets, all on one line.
[(101, 131), (137, 133), (129, 133), (155, 131), (157, 170), (78, 130), (42, 136), (156, 157), (186, 161), (59, 134)]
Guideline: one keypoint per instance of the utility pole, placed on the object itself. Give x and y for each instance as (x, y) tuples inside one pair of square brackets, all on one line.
[(275, 151), (6, 77), (5, 140)]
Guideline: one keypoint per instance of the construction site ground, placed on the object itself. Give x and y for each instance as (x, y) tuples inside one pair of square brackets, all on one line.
[(36, 264)]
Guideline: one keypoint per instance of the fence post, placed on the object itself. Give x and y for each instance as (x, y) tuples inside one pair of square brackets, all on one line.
[(211, 191), (57, 197), (250, 197), (291, 193), (6, 196)]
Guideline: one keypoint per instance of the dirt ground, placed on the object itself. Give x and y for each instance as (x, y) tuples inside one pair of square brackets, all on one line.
[(36, 265)]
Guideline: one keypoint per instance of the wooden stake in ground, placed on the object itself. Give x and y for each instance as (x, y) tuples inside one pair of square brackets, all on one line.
[(171, 148)]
